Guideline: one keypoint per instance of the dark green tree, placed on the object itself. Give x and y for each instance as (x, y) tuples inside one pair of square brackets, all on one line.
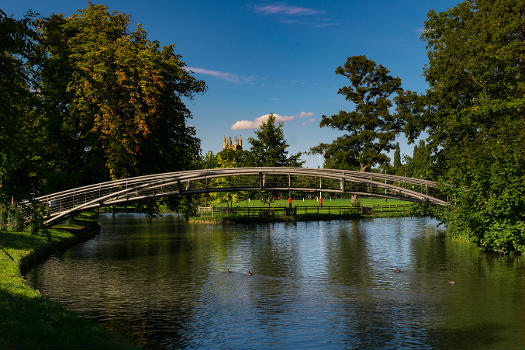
[(473, 115), (397, 158), (268, 147), (371, 128), (17, 168), (420, 165), (208, 161)]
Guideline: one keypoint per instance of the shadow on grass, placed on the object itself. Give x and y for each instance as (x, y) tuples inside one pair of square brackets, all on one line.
[(22, 241), (36, 323)]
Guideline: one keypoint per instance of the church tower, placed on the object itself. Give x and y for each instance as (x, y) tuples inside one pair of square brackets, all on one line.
[(228, 144)]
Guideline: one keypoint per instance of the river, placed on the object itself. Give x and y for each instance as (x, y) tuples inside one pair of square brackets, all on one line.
[(315, 285)]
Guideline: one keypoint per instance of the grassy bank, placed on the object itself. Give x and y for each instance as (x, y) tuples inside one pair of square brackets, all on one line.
[(283, 202), (30, 321), (281, 213), (240, 219)]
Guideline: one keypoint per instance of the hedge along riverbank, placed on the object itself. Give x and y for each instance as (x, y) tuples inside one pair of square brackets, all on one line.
[(27, 319)]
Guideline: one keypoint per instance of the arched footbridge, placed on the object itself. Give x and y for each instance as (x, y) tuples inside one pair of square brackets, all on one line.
[(66, 203)]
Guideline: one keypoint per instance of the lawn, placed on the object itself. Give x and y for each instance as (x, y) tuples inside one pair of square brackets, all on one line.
[(313, 202)]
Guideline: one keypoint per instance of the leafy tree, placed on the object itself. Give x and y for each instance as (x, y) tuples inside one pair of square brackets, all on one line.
[(473, 115), (268, 148), (113, 98), (370, 128), (208, 161), (237, 158), (17, 171), (397, 158), (227, 159), (420, 164)]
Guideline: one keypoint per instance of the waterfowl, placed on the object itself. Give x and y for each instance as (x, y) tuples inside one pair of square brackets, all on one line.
[(228, 271), (451, 282), (398, 270), (249, 273)]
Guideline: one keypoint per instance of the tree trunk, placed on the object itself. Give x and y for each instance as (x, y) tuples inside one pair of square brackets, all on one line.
[(363, 167)]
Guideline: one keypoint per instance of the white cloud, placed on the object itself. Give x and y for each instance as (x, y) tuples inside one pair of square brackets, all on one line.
[(305, 114), (296, 15), (254, 124), (231, 77), (286, 10)]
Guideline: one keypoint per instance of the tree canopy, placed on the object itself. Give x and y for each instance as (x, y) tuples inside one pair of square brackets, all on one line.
[(85, 98), (370, 128), (121, 93), (17, 177), (473, 116), (268, 147)]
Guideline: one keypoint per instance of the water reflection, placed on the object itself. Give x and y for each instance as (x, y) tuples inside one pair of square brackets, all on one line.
[(315, 284)]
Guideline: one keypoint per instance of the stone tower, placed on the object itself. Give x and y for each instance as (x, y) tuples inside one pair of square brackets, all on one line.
[(236, 145)]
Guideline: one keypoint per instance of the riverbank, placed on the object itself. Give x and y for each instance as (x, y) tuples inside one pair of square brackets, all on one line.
[(27, 319), (242, 219)]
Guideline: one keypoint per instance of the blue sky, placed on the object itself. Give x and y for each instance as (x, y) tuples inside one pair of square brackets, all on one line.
[(266, 56)]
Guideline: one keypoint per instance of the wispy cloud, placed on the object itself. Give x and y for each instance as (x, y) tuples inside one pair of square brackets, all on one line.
[(231, 77), (305, 114), (318, 23), (296, 15), (277, 9), (310, 120), (256, 123)]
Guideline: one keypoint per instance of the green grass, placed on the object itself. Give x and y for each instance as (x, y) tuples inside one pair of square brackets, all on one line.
[(30, 321), (308, 209), (313, 202)]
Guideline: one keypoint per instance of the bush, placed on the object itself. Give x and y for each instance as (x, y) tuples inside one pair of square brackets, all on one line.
[(16, 220), (36, 219), (3, 217)]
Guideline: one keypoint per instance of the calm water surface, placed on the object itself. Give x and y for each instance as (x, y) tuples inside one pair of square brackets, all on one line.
[(316, 285)]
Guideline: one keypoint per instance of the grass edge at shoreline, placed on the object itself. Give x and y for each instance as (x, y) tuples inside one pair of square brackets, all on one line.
[(28, 320)]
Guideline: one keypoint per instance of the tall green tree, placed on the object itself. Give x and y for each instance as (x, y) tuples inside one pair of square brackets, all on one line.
[(269, 148), (397, 158), (473, 115), (112, 98), (370, 128), (420, 165), (17, 171)]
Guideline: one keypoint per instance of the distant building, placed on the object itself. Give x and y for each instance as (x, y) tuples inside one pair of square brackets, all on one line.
[(227, 143)]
